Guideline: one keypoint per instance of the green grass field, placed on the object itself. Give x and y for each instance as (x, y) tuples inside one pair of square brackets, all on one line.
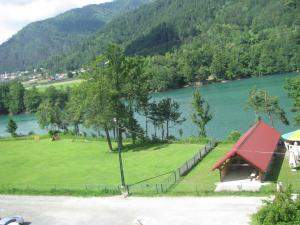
[(283, 173), (75, 165), (58, 84), (41, 164)]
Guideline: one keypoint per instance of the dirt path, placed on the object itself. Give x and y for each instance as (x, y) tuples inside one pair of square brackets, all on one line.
[(42, 210)]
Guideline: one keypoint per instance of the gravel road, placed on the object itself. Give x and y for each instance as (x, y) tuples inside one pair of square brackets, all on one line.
[(41, 210)]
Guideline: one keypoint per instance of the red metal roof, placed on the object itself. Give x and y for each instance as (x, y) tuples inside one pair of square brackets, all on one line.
[(256, 146)]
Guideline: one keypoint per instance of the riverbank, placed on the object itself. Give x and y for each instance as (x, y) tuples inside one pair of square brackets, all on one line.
[(227, 102)]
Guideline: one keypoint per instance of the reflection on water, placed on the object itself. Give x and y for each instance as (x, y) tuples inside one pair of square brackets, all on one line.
[(227, 101)]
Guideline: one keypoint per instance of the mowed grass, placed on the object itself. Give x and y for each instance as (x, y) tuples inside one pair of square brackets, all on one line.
[(60, 85), (64, 162), (201, 179), (283, 173)]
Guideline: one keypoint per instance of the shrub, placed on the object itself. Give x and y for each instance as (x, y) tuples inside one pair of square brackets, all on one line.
[(233, 136), (194, 140), (283, 210)]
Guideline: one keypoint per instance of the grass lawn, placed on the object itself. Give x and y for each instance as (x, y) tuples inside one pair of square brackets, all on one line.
[(60, 85), (284, 174), (65, 163), (201, 179)]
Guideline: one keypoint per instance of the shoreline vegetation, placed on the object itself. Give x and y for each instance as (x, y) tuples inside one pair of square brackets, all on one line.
[(64, 83)]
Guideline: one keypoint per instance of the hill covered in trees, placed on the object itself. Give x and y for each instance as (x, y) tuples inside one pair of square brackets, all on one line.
[(40, 40), (188, 40)]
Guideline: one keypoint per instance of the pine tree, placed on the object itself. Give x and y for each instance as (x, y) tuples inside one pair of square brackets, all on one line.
[(12, 127)]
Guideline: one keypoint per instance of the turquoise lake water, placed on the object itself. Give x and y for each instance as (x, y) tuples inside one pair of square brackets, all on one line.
[(227, 102)]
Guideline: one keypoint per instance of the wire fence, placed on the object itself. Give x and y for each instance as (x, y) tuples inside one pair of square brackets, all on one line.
[(174, 176)]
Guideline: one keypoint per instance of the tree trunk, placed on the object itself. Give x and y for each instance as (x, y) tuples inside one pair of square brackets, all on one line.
[(162, 132), (114, 132), (120, 137), (75, 129), (133, 136), (108, 137), (271, 119), (167, 129), (146, 126)]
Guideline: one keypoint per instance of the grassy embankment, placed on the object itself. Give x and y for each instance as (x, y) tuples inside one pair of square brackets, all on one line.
[(46, 167)]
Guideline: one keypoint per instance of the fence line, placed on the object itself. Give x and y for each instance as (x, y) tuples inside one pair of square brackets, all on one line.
[(99, 188), (174, 176), (188, 165)]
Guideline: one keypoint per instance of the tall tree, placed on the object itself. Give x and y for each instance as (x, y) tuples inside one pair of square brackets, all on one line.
[(144, 109), (4, 91), (154, 116), (263, 103), (293, 88), (126, 86), (169, 113), (32, 99), (202, 114), (98, 105), (16, 97), (75, 107)]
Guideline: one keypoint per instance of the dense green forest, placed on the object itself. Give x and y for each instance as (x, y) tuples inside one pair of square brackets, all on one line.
[(40, 40), (190, 40), (184, 41)]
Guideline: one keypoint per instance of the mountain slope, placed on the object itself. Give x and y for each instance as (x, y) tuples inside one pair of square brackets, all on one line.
[(40, 40), (166, 22), (165, 25)]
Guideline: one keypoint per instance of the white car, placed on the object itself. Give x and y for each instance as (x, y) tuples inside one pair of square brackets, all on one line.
[(12, 220)]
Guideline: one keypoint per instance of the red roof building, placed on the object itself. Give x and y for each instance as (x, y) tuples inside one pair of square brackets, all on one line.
[(254, 149)]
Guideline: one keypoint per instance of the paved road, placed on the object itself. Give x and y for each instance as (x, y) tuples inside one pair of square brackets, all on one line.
[(42, 210)]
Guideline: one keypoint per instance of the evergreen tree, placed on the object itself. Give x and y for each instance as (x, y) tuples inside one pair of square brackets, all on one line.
[(12, 127)]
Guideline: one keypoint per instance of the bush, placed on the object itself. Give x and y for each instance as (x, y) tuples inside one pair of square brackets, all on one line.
[(194, 140), (30, 133), (233, 136), (54, 132), (283, 210)]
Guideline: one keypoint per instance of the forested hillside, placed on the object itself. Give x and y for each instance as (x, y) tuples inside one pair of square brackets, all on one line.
[(39, 40), (188, 40)]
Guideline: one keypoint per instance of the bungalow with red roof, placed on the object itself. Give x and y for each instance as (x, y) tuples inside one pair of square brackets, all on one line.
[(252, 155)]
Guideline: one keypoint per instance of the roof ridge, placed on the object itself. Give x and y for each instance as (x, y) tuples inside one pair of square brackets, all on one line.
[(248, 135)]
